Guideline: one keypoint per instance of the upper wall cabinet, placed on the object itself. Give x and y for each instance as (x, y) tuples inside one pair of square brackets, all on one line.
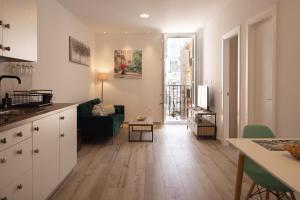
[(18, 30)]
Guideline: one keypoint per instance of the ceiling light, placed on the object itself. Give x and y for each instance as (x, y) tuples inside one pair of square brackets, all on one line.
[(144, 15)]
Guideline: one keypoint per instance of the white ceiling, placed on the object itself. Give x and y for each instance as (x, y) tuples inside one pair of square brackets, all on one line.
[(166, 16)]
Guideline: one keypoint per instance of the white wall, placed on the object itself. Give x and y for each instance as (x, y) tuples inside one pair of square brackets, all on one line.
[(142, 96), (288, 70), (71, 82)]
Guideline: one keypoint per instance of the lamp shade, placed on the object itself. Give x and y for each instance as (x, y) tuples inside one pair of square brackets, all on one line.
[(103, 76)]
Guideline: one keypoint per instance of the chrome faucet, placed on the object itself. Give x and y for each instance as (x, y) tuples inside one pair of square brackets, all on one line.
[(8, 77)]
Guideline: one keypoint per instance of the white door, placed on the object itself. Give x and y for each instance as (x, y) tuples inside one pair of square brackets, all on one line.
[(261, 69), (68, 142), (45, 156)]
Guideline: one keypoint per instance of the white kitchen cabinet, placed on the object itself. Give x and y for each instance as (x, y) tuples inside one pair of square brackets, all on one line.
[(36, 157), (68, 141), (20, 189), (45, 156), (15, 161), (19, 29), (15, 135)]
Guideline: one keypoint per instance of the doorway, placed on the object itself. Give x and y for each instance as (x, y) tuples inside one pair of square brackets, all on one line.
[(178, 77), (261, 65), (231, 83)]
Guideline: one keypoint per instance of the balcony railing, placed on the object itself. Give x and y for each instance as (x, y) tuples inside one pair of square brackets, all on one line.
[(178, 98)]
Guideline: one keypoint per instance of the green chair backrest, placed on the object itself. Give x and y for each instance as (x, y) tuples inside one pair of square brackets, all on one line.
[(257, 131)]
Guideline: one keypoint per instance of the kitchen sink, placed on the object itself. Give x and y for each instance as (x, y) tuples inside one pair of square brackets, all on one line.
[(11, 115), (11, 112), (15, 112)]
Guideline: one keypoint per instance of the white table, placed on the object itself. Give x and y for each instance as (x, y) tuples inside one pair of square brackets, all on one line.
[(140, 126), (278, 163)]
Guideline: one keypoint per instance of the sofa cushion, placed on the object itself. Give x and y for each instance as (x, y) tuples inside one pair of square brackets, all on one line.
[(103, 110), (96, 111), (85, 109), (107, 109)]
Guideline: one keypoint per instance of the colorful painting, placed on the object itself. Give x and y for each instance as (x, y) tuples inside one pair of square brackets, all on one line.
[(79, 52), (128, 64)]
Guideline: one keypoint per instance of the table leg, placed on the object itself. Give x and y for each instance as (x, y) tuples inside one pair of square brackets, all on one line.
[(152, 132), (239, 177), (128, 133)]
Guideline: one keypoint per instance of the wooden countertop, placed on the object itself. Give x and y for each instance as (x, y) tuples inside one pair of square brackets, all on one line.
[(32, 114)]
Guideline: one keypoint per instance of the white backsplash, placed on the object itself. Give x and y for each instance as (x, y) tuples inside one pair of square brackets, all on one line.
[(22, 70)]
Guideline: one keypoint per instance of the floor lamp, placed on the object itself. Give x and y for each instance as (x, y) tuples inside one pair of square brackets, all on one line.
[(102, 77)]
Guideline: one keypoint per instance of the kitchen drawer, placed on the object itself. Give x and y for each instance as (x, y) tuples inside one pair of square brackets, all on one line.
[(14, 161), (20, 189), (15, 135)]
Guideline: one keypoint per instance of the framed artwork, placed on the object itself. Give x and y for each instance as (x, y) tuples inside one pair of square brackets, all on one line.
[(79, 52), (128, 64)]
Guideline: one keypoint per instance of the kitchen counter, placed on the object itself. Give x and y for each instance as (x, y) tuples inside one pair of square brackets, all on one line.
[(31, 114)]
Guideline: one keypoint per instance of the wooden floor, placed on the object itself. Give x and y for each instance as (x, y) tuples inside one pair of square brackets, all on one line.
[(174, 166)]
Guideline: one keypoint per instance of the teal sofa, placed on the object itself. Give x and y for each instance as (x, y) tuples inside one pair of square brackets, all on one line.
[(98, 126)]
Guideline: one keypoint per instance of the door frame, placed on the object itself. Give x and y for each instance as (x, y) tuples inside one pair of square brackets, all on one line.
[(236, 32), (268, 13), (195, 77)]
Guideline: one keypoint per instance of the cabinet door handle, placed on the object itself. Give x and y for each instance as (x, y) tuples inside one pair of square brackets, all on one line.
[(62, 118), (20, 134), (62, 135), (2, 160), (20, 187), (3, 141), (36, 128), (36, 151), (6, 48), (20, 151), (6, 26)]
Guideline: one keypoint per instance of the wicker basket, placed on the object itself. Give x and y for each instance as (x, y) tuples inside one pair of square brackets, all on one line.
[(293, 149)]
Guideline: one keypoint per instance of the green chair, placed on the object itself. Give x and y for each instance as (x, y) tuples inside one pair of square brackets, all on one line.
[(260, 176)]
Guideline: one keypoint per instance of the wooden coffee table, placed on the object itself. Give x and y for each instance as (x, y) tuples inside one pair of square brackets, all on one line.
[(141, 127)]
